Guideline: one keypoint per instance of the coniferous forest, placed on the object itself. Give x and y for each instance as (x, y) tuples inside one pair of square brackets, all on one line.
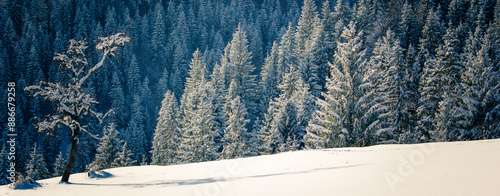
[(203, 80)]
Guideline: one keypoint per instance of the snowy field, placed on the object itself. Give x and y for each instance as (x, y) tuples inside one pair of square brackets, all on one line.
[(456, 168)]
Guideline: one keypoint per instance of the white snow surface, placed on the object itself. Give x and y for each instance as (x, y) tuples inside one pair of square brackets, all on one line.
[(454, 168)]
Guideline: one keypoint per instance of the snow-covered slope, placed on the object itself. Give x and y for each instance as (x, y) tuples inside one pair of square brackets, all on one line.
[(457, 168)]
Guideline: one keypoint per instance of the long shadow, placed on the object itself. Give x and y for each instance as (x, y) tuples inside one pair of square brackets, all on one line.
[(212, 180)]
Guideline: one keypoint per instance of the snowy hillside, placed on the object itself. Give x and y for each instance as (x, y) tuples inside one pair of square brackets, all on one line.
[(456, 168)]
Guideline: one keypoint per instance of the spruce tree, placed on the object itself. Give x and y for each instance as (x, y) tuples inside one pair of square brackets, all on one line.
[(117, 99), (308, 18), (387, 92), (450, 126), (235, 132), (287, 53), (428, 100), (124, 158), (407, 25), (59, 165), (159, 37), (36, 168), (3, 166), (199, 130), (236, 65), (133, 77), (336, 123), (197, 73), (167, 133), (432, 32), (135, 134), (308, 37), (288, 115), (107, 150), (269, 78), (480, 83)]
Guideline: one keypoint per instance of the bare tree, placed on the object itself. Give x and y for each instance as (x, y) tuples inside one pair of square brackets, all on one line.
[(72, 102)]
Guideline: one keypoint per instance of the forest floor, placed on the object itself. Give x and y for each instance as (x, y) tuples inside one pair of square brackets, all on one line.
[(454, 168)]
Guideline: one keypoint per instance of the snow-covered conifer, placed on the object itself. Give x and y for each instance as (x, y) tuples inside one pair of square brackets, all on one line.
[(450, 126), (59, 165), (36, 168), (117, 99), (107, 150), (335, 122), (167, 133), (3, 166), (135, 133), (199, 130), (124, 158), (387, 92), (480, 83), (236, 64), (235, 132), (432, 32), (269, 77), (288, 115), (133, 77), (308, 38)]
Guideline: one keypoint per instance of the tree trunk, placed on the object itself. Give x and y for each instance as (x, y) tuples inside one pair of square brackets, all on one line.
[(71, 160)]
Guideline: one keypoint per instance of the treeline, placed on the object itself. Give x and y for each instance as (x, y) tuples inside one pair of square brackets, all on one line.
[(205, 80), (342, 77)]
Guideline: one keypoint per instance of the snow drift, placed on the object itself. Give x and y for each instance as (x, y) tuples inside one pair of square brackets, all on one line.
[(455, 168)]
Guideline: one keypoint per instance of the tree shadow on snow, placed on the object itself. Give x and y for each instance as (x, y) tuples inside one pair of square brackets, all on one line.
[(28, 184), (99, 174), (212, 180)]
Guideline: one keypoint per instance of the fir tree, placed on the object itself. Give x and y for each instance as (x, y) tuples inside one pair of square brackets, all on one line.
[(407, 25), (428, 100), (387, 92), (449, 66), (3, 164), (335, 123), (456, 11), (163, 84), (308, 35), (107, 150), (59, 165), (287, 53), (124, 158), (235, 132), (288, 116), (135, 134), (167, 133), (236, 65), (159, 37), (133, 77), (117, 99), (432, 32), (269, 78), (480, 83), (199, 130), (36, 168), (197, 72), (308, 18)]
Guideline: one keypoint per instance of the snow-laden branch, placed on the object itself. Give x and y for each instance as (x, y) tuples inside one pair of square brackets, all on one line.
[(108, 45), (90, 134), (72, 102)]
